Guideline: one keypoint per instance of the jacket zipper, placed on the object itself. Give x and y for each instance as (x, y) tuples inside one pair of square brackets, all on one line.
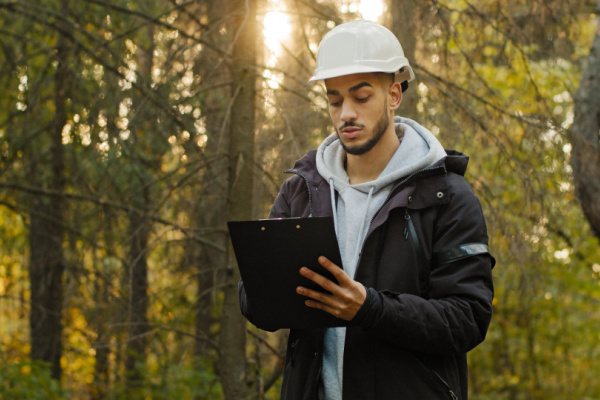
[(407, 219), (398, 185), (409, 230), (453, 395)]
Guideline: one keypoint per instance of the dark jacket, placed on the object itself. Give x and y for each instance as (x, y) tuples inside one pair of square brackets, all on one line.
[(428, 275)]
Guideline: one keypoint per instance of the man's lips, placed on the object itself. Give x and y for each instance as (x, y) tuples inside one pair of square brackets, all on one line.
[(351, 132)]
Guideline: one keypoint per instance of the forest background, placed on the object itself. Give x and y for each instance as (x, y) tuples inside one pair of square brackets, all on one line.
[(132, 130)]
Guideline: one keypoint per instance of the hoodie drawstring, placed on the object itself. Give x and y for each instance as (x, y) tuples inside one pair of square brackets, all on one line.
[(362, 225), (333, 207)]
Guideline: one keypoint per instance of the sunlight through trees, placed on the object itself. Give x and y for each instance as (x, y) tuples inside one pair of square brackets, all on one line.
[(132, 130)]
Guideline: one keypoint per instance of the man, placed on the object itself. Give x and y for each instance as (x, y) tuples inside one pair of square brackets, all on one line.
[(416, 285)]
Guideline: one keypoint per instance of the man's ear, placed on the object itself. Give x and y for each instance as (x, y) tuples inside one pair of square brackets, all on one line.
[(394, 95)]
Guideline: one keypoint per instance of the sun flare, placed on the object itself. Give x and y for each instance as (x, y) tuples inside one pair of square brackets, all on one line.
[(276, 29), (371, 9)]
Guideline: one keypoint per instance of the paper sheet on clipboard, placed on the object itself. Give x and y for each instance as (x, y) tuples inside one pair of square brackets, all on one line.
[(270, 254)]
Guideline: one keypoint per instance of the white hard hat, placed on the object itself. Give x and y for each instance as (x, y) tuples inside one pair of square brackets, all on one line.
[(361, 46)]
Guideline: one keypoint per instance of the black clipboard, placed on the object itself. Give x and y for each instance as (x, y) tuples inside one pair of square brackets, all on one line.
[(270, 254)]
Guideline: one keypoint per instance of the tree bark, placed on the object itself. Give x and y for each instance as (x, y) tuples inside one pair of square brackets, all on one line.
[(584, 136), (139, 222), (297, 113), (98, 388), (404, 15), (232, 336), (47, 230), (138, 297), (209, 211)]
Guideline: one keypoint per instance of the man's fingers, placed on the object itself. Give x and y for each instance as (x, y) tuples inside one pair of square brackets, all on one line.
[(321, 301), (345, 296), (313, 294), (335, 269), (318, 279), (331, 310), (327, 303)]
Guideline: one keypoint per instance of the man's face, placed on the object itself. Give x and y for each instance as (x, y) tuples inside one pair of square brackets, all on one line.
[(359, 110)]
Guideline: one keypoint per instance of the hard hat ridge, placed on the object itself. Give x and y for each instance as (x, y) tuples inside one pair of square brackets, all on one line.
[(358, 47)]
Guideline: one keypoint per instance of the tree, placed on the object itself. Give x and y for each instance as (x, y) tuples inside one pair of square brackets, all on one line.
[(154, 162), (210, 198), (405, 24), (584, 136), (232, 335), (145, 166), (47, 221)]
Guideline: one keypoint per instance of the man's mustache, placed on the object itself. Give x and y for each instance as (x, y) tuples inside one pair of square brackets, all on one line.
[(349, 124)]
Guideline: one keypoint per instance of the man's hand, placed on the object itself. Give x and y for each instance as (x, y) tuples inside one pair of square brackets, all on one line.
[(345, 298)]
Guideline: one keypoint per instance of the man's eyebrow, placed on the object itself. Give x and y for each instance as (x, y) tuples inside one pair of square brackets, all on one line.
[(360, 85), (352, 89)]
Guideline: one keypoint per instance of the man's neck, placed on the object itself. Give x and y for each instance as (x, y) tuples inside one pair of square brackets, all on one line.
[(367, 167)]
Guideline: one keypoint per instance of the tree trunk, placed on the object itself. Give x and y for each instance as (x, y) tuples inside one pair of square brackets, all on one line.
[(209, 210), (297, 113), (139, 223), (47, 231), (98, 388), (404, 14), (101, 323), (138, 297), (232, 336), (584, 136)]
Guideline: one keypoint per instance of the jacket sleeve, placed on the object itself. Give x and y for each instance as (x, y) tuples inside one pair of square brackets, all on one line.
[(455, 316)]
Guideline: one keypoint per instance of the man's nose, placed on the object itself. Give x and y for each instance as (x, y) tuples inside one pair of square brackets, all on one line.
[(348, 111)]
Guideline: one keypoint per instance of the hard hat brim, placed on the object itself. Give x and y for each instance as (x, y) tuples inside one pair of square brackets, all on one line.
[(403, 74)]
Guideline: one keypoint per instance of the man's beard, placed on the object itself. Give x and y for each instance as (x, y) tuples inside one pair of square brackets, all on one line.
[(378, 130)]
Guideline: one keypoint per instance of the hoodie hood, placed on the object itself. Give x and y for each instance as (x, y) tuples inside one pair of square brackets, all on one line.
[(418, 149), (355, 205)]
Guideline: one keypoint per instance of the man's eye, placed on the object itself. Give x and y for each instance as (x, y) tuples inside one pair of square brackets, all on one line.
[(362, 99), (335, 103)]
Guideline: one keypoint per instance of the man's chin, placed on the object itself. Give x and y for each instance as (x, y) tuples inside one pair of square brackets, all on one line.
[(358, 149)]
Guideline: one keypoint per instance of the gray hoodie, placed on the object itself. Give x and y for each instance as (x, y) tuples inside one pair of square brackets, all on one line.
[(356, 206)]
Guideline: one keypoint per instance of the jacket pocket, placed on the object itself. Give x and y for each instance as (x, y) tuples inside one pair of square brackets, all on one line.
[(422, 265), (451, 393), (443, 383)]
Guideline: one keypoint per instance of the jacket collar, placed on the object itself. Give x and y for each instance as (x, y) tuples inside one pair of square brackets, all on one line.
[(454, 162)]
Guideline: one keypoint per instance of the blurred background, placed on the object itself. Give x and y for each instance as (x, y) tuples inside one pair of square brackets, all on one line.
[(132, 130)]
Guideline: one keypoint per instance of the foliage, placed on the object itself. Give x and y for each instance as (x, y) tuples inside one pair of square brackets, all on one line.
[(174, 381), (149, 108), (28, 380)]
